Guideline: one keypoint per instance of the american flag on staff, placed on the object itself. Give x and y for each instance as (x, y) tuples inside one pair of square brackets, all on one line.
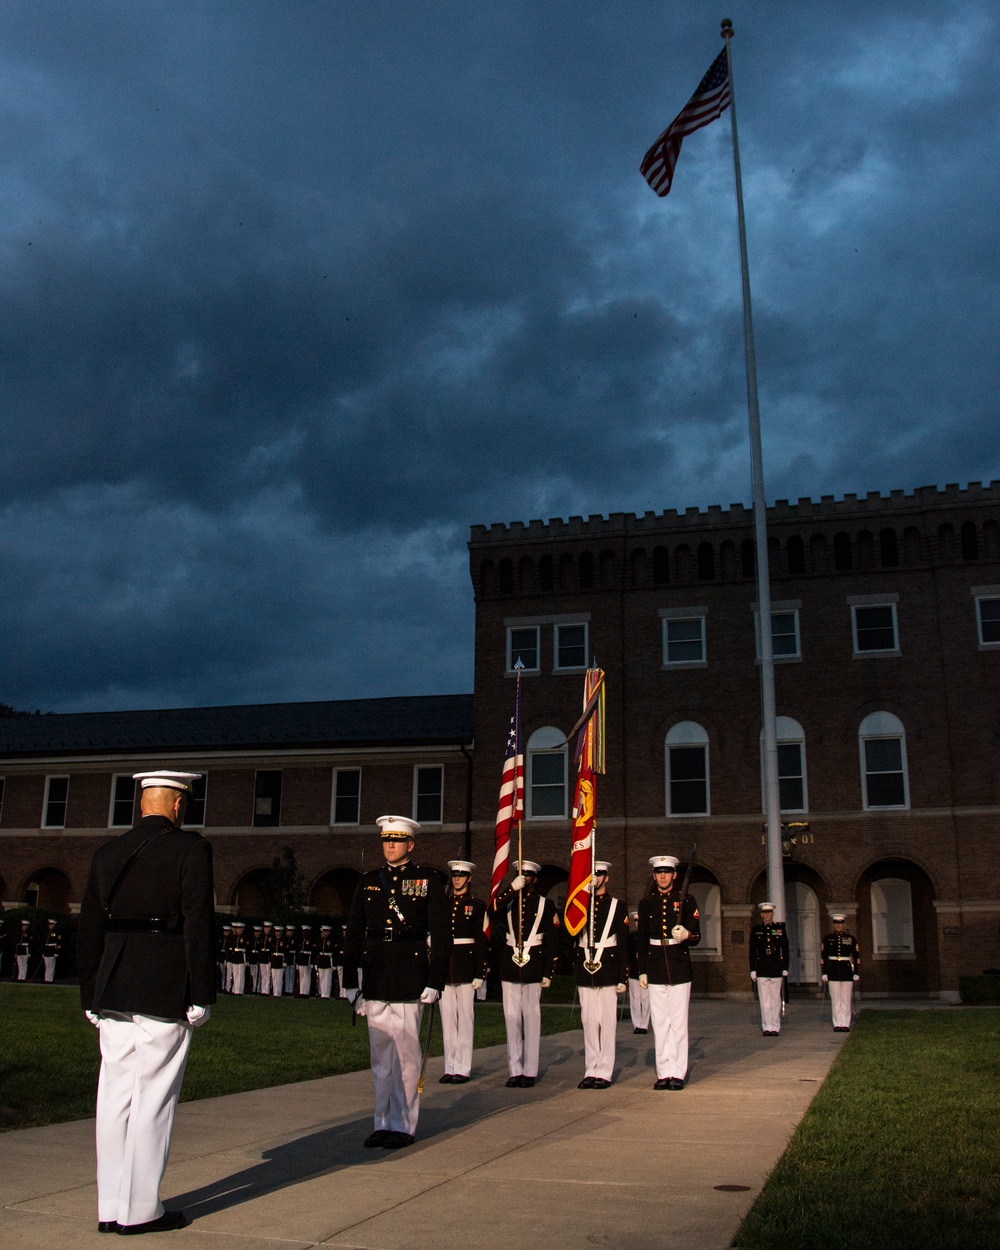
[(511, 805), (709, 102)]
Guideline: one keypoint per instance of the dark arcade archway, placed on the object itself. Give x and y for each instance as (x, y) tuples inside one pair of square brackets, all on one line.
[(333, 891), (49, 890), (899, 946)]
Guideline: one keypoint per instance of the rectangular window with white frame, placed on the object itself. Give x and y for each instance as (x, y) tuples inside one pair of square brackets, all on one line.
[(267, 798), (988, 619), (120, 815), (523, 644), (194, 816), (785, 640), (884, 768), (684, 637), (892, 919), (571, 647), (791, 776), (874, 626), (56, 800), (346, 809), (428, 794)]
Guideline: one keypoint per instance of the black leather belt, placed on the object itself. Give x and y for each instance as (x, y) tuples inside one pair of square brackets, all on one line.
[(144, 924), (395, 934)]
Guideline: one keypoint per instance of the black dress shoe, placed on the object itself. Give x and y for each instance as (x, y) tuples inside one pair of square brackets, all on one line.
[(674, 1082), (458, 1079), (168, 1222), (640, 1030), (397, 1140), (446, 1079), (107, 1226), (378, 1138), (587, 1083), (514, 1082), (600, 1083), (662, 1083), (528, 1081)]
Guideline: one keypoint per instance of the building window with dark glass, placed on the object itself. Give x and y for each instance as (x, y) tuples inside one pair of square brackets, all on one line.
[(684, 640), (522, 644), (346, 796), (687, 770), (267, 798), (571, 646), (874, 628), (56, 798), (882, 740), (546, 779), (194, 817), (122, 802), (428, 795), (988, 614)]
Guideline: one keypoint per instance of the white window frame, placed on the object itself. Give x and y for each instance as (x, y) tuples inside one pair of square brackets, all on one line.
[(672, 616), (882, 726), (687, 734), (790, 608), (709, 949), (45, 802), (538, 648), (545, 741), (197, 824), (112, 823), (416, 774), (789, 733), (346, 824), (570, 668), (881, 947), (985, 594), (874, 601)]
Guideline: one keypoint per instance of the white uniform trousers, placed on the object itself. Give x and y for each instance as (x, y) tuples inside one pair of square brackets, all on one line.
[(22, 967), (769, 997), (254, 977), (324, 981), (457, 1019), (236, 977), (305, 979), (289, 985), (394, 1042), (638, 1004), (142, 1066), (599, 1013), (50, 967), (522, 1010), (668, 1012), (277, 981), (841, 995)]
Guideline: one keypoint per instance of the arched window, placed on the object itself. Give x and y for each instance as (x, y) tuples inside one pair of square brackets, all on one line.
[(639, 566), (842, 552), (911, 545), (796, 556), (727, 560), (866, 549), (607, 568), (546, 577), (687, 770), (818, 553), (506, 577), (791, 765), (586, 571), (682, 562), (565, 571), (748, 557), (486, 577), (526, 573), (888, 549), (882, 743), (706, 562), (892, 918), (709, 899), (661, 566), (546, 752), (970, 541)]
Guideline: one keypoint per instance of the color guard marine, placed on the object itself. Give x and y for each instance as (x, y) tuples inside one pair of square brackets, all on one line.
[(24, 947), (600, 970), (840, 962), (398, 934), (668, 927), (769, 967), (326, 956), (466, 972), (51, 946), (304, 960)]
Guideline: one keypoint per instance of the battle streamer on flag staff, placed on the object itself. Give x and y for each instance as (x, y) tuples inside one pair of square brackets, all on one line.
[(590, 762), (708, 103)]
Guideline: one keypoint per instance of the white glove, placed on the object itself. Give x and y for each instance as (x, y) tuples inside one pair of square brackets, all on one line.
[(825, 978), (353, 995), (644, 981), (360, 1006), (94, 1018), (517, 883), (785, 973), (753, 976), (477, 983), (430, 996), (679, 933), (198, 1015), (856, 977), (620, 988), (546, 982)]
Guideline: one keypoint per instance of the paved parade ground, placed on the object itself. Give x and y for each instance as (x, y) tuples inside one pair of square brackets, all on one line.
[(548, 1168)]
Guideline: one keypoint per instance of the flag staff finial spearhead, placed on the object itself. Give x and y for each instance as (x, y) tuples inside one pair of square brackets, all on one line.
[(727, 29)]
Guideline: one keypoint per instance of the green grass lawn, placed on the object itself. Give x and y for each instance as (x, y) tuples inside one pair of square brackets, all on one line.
[(900, 1149), (49, 1053)]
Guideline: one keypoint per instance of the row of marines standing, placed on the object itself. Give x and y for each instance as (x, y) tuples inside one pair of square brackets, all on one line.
[(276, 957)]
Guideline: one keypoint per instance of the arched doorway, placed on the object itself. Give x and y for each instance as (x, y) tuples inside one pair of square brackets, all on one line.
[(252, 893), (805, 899), (897, 929), (334, 890), (708, 975), (552, 883), (48, 890)]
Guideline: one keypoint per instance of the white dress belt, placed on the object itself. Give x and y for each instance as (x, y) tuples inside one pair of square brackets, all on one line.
[(463, 941), (668, 942)]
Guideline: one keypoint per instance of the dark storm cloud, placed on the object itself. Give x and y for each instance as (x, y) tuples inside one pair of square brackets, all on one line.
[(294, 294)]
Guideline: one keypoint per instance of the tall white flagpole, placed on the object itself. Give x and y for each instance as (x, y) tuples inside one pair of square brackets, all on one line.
[(772, 797)]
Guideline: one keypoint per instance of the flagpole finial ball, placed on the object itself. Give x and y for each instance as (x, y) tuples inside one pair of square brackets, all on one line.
[(727, 29)]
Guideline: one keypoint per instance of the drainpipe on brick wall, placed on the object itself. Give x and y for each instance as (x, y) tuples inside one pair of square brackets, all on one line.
[(468, 803)]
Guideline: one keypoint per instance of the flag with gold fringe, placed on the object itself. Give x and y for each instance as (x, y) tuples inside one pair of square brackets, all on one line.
[(590, 762)]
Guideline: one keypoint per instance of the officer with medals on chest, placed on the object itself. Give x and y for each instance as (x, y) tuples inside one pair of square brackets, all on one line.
[(264, 948), (277, 969), (769, 967), (600, 970), (397, 934), (524, 940), (304, 960), (668, 926), (466, 972), (841, 967)]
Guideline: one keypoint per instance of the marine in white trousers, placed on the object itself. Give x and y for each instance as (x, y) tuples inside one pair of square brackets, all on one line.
[(142, 1066), (50, 967), (522, 1013), (769, 997), (22, 967), (394, 1042), (668, 1012), (305, 973), (457, 1022), (599, 1013), (638, 1003), (324, 981), (841, 1003), (236, 976), (277, 981)]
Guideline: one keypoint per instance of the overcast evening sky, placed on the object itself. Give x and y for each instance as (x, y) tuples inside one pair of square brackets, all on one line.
[(295, 292)]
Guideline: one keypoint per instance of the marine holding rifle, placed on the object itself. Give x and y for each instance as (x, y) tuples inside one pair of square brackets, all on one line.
[(398, 936), (668, 926)]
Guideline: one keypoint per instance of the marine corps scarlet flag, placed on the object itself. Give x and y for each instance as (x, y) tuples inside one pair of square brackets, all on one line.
[(590, 757)]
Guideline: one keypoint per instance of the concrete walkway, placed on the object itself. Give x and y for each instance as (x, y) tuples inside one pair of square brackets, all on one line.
[(552, 1168)]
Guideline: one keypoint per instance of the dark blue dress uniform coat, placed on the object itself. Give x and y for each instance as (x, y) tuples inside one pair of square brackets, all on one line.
[(840, 957), (468, 961), (542, 959), (769, 950), (150, 973), (658, 913), (614, 959), (394, 912)]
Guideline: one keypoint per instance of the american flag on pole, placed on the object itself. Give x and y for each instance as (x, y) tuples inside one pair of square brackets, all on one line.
[(709, 102), (511, 804)]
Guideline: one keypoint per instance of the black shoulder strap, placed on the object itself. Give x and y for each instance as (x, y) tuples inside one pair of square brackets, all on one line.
[(127, 867)]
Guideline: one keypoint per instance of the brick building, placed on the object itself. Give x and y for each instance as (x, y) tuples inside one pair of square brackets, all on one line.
[(886, 620)]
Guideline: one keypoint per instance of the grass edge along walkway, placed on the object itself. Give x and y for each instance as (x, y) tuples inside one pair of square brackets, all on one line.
[(900, 1147), (49, 1055)]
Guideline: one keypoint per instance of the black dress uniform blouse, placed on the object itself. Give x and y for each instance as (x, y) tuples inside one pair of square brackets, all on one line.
[(614, 958), (769, 950), (470, 948), (667, 962), (541, 958), (840, 956)]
